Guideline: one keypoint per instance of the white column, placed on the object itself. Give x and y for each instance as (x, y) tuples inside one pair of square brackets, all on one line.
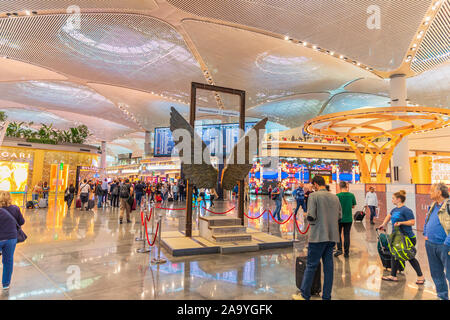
[(400, 157), (103, 158), (147, 144)]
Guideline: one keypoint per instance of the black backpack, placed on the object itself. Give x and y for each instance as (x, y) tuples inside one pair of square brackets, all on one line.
[(125, 191), (30, 205)]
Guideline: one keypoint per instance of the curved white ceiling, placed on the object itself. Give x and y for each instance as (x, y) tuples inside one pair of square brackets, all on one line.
[(336, 25), (265, 67), (127, 50), (122, 70)]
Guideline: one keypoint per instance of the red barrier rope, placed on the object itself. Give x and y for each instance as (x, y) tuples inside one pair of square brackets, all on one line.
[(146, 234), (257, 216), (298, 228), (142, 217), (281, 222), (150, 216), (170, 208), (219, 212)]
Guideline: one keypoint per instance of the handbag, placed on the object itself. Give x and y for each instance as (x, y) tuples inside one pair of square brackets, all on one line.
[(21, 236)]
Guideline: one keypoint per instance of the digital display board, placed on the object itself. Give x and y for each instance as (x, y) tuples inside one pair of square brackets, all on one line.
[(211, 135)]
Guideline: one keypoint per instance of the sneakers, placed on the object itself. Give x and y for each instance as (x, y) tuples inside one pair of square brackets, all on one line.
[(6, 288), (298, 297), (337, 253), (346, 255)]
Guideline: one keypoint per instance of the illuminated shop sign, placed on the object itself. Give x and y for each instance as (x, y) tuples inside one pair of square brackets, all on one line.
[(14, 156), (130, 171)]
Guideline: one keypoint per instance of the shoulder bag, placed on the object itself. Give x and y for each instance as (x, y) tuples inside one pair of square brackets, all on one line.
[(21, 236)]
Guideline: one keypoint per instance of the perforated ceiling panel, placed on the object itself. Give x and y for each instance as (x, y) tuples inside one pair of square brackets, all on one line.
[(435, 47), (151, 110), (64, 96), (28, 114), (12, 70), (431, 88), (120, 49), (265, 67), (349, 101), (338, 25), (291, 112), (36, 5)]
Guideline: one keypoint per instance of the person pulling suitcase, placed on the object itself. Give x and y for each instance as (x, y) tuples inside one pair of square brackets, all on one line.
[(323, 214)]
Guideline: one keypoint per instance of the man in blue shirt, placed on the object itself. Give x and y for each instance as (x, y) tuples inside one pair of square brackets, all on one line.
[(437, 236), (299, 195)]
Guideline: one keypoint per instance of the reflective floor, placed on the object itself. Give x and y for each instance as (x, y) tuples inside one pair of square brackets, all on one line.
[(66, 246)]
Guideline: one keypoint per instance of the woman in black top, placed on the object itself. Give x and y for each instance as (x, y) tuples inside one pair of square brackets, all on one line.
[(10, 217), (69, 194)]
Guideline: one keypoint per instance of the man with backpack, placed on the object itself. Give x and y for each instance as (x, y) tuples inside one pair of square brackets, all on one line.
[(437, 235), (126, 192), (299, 196), (114, 194)]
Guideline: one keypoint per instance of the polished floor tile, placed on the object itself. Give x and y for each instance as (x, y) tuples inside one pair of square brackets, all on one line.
[(63, 244)]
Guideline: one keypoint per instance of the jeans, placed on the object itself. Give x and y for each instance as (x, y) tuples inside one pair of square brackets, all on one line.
[(99, 201), (300, 203), (35, 196), (395, 265), (105, 196), (7, 247), (138, 199), (316, 251), (439, 262), (346, 226), (373, 212), (276, 213)]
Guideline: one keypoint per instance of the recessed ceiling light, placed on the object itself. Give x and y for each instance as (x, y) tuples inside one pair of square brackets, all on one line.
[(414, 45), (286, 37), (27, 12), (332, 53), (428, 18), (305, 44), (358, 64), (341, 56)]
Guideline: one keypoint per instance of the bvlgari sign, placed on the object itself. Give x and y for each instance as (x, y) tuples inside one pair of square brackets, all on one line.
[(15, 156)]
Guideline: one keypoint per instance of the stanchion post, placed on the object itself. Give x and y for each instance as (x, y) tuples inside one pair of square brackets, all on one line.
[(159, 260), (142, 231), (144, 249)]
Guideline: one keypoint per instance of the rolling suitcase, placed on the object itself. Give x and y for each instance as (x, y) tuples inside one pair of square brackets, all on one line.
[(300, 267), (43, 203), (359, 215), (78, 204), (383, 250), (30, 205)]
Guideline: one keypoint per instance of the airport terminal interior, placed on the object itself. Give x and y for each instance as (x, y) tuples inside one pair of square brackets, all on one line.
[(98, 103)]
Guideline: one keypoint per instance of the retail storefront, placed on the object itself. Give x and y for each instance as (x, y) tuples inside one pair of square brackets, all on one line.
[(24, 165)]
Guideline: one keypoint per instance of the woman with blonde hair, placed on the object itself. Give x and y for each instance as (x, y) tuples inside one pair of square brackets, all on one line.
[(10, 218)]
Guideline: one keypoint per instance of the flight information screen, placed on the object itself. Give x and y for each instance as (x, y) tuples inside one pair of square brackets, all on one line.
[(211, 134)]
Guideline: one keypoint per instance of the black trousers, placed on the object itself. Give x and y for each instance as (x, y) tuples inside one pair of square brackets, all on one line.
[(346, 226), (395, 265), (114, 201)]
